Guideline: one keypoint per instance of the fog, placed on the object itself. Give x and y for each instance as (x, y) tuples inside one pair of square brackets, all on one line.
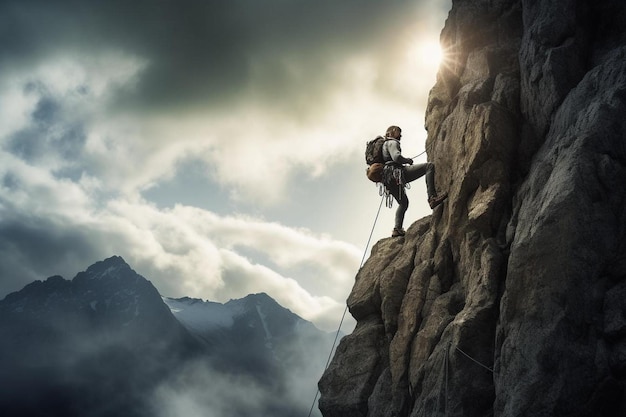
[(286, 386), (63, 357)]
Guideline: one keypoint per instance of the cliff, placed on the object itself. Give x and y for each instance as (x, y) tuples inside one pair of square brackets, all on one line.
[(510, 300)]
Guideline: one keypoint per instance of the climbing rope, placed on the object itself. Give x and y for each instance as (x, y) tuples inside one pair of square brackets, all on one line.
[(345, 310), (445, 382), (447, 364), (446, 371), (394, 174), (419, 154), (446, 360), (424, 151), (476, 362)]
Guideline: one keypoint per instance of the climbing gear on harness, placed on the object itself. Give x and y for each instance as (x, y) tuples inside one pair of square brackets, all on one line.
[(393, 176)]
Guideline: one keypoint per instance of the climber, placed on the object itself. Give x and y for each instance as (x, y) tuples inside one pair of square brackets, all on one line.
[(400, 171)]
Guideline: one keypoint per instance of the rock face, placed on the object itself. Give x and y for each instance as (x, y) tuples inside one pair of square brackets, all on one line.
[(510, 300)]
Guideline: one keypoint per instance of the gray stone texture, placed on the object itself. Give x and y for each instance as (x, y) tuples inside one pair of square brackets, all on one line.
[(510, 299)]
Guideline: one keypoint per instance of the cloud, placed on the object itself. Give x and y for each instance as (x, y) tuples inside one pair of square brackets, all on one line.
[(213, 50), (201, 391), (184, 250), (187, 250), (286, 384), (103, 102), (258, 92)]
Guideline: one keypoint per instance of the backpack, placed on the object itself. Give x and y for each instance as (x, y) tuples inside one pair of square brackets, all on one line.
[(374, 151), (374, 158)]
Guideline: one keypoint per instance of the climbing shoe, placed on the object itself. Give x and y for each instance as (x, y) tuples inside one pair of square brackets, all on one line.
[(435, 200), (397, 232)]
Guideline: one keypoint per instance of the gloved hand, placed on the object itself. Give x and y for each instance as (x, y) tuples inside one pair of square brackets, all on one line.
[(410, 161)]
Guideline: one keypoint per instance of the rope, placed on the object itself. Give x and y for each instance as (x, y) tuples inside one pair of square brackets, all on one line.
[(332, 348), (475, 361), (424, 151), (446, 368), (446, 391), (419, 154), (386, 197), (445, 373), (393, 175)]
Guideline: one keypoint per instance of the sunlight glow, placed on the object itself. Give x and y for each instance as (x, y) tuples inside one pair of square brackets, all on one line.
[(424, 57), (429, 53)]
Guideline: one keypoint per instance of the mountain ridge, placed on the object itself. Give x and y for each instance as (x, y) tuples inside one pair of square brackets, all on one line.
[(109, 327)]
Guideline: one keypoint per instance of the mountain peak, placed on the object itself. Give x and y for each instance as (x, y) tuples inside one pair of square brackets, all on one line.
[(36, 289), (115, 266), (55, 331), (260, 297)]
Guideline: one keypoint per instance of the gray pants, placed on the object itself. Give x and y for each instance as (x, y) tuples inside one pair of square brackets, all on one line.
[(411, 173)]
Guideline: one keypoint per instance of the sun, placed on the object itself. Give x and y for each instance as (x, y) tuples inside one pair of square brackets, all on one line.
[(429, 53), (423, 57), (425, 54)]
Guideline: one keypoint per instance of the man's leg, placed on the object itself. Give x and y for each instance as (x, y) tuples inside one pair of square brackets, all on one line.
[(403, 204), (413, 172)]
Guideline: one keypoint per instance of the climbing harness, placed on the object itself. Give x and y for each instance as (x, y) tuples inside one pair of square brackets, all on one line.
[(345, 310), (393, 176)]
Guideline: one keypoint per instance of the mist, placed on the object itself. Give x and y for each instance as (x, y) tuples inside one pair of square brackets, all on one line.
[(105, 344), (243, 384)]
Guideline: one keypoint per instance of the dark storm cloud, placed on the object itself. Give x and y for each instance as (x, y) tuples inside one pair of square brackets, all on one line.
[(34, 249), (197, 49), (87, 88)]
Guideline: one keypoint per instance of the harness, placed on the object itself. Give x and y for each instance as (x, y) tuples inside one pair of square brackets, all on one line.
[(393, 176)]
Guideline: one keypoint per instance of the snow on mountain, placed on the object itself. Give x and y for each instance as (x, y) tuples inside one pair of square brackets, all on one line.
[(268, 335), (254, 333), (202, 316)]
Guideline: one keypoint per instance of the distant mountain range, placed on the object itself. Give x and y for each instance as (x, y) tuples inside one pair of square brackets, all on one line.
[(108, 344)]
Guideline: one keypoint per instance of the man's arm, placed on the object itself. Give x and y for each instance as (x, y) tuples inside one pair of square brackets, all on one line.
[(393, 146)]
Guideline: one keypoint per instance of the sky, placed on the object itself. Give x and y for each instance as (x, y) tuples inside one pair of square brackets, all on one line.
[(217, 146)]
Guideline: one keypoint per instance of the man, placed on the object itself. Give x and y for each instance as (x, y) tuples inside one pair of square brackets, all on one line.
[(397, 174)]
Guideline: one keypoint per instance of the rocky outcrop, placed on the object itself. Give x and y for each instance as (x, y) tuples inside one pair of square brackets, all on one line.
[(510, 300)]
